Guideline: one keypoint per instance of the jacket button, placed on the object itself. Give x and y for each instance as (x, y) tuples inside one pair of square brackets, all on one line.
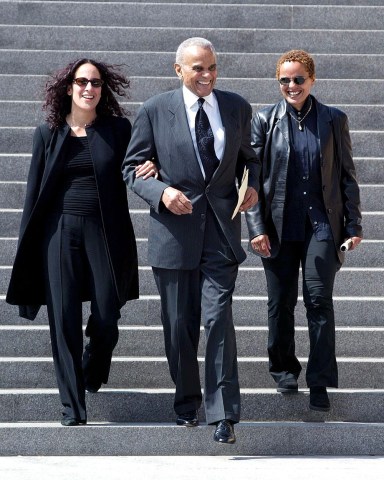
[(329, 210)]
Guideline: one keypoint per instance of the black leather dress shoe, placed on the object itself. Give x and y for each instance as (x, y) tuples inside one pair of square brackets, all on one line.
[(224, 433), (318, 399), (288, 385), (90, 371), (92, 388), (188, 419), (72, 422)]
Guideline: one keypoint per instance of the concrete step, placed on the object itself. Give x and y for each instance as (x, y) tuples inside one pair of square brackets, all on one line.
[(152, 372), (140, 390), (14, 167), (231, 2), (251, 281), (253, 438), (255, 90), (353, 311), (156, 406), (10, 221), (140, 341), (22, 113), (12, 196), (370, 254), (166, 39), (235, 2), (19, 140), (253, 65), (185, 15)]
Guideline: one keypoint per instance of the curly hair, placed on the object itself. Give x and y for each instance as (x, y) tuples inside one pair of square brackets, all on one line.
[(297, 56), (58, 103)]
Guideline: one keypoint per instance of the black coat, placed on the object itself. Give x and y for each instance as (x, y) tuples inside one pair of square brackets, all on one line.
[(270, 139), (108, 140)]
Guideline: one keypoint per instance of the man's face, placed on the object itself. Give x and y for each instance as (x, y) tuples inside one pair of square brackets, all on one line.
[(198, 70)]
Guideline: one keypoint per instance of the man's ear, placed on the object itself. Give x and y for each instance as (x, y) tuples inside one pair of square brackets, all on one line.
[(178, 70)]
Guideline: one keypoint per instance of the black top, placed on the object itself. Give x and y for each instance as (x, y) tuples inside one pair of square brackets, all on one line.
[(80, 196), (304, 198)]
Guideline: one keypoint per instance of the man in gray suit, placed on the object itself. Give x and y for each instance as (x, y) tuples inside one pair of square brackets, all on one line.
[(194, 245)]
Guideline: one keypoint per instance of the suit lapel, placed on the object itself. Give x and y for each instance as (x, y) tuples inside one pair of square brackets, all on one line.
[(178, 123), (55, 152), (324, 128), (282, 120), (229, 121)]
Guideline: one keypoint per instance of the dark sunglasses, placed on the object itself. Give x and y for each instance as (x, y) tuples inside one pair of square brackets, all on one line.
[(287, 80), (83, 82)]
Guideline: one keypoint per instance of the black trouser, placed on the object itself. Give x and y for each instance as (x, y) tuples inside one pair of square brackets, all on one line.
[(319, 263), (187, 297), (76, 259)]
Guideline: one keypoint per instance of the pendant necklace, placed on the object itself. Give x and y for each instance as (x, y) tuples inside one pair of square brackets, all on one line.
[(301, 119), (72, 124)]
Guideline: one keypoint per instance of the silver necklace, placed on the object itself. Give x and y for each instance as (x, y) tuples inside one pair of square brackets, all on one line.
[(302, 119), (84, 125)]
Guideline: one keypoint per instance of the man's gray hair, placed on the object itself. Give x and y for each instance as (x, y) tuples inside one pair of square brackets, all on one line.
[(193, 42)]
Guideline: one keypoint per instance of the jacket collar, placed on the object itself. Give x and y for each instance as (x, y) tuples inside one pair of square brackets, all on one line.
[(324, 123), (178, 122)]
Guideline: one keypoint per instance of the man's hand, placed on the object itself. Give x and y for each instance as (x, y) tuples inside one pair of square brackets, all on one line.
[(176, 201), (250, 199)]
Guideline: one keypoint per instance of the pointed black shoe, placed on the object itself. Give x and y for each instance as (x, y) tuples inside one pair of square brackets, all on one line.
[(92, 388), (188, 419), (318, 399), (224, 433), (91, 378), (288, 385), (72, 422)]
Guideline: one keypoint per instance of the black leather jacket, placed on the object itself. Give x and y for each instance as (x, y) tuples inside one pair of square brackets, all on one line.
[(270, 140)]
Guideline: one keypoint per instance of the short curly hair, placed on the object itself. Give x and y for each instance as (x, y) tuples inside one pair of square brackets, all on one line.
[(58, 103), (297, 56)]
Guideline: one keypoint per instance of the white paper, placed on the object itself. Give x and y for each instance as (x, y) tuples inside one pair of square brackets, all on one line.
[(346, 245), (242, 190)]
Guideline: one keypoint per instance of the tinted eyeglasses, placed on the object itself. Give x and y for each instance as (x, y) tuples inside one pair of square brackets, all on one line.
[(83, 82), (286, 80)]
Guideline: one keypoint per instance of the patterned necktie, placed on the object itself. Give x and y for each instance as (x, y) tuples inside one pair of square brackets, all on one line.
[(205, 142)]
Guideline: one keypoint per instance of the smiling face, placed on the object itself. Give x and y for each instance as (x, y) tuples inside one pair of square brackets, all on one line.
[(293, 93), (85, 98), (198, 70)]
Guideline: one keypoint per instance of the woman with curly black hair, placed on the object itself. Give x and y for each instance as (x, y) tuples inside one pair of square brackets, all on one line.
[(76, 239)]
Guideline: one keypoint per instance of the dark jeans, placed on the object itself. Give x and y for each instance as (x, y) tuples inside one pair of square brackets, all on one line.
[(319, 264)]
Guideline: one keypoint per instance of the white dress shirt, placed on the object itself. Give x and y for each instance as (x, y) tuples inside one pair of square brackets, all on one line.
[(211, 108)]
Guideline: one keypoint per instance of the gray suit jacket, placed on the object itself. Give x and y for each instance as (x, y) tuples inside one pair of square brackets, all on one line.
[(161, 132)]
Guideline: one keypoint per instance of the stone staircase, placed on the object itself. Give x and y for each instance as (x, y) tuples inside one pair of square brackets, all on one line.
[(134, 415)]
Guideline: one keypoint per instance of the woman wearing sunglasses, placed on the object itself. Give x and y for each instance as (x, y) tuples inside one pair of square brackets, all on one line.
[(309, 205), (76, 239)]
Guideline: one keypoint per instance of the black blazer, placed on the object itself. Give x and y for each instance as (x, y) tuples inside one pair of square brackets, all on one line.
[(161, 132), (108, 140), (270, 140)]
